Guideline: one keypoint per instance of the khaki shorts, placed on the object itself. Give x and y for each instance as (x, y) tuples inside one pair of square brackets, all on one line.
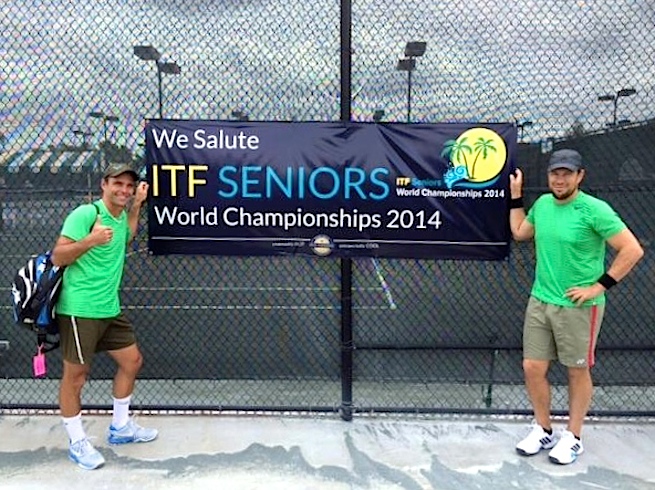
[(81, 338), (552, 332)]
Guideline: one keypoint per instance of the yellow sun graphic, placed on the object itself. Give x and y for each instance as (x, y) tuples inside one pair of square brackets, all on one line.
[(482, 151)]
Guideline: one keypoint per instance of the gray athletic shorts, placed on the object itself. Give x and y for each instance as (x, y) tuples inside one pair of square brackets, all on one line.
[(552, 332)]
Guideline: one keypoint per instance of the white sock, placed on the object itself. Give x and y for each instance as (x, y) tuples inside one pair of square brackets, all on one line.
[(121, 412), (73, 426)]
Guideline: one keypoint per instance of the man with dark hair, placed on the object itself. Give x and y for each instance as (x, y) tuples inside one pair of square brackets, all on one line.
[(92, 246), (563, 317)]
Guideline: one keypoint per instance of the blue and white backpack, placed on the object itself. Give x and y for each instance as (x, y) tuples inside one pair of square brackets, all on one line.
[(34, 293)]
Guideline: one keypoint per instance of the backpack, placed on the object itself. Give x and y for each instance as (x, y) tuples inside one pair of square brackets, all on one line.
[(34, 293)]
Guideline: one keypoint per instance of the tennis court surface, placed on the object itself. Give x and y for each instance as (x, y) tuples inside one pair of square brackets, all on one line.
[(251, 451)]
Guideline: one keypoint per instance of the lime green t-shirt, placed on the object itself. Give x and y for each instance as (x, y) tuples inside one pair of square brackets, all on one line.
[(570, 244), (90, 286)]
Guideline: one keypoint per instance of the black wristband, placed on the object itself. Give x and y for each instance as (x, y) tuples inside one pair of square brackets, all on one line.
[(516, 202), (607, 281)]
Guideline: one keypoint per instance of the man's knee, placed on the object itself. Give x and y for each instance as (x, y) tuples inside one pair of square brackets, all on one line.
[(137, 361), (535, 368), (579, 373), (129, 359), (74, 375)]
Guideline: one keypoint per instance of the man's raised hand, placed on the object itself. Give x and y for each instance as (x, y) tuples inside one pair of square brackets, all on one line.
[(516, 184), (100, 233)]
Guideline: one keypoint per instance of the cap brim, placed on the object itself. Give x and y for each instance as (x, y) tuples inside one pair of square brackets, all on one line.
[(569, 166), (131, 172)]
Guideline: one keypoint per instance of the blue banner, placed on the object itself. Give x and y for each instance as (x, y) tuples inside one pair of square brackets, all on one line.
[(435, 191)]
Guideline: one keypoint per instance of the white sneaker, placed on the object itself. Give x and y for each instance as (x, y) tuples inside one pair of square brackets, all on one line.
[(131, 432), (85, 455), (567, 450), (535, 441)]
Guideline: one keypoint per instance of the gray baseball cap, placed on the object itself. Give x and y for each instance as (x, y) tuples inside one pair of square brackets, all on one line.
[(569, 159)]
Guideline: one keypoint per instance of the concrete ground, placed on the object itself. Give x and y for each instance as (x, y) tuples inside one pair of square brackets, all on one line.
[(237, 451)]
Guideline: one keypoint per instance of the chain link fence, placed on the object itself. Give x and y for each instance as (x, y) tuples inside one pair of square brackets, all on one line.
[(265, 333)]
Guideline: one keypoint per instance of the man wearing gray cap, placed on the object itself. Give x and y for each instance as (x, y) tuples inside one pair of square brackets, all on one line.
[(564, 313), (92, 246)]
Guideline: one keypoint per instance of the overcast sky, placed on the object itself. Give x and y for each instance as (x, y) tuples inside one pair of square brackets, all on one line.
[(545, 61)]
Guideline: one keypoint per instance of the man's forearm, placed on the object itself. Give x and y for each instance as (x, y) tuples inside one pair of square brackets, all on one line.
[(516, 219), (133, 218), (66, 254), (625, 260)]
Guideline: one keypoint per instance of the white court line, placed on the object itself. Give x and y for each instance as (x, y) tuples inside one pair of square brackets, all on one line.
[(132, 252), (240, 288), (383, 283), (244, 307), (27, 255), (378, 270), (235, 307), (230, 288)]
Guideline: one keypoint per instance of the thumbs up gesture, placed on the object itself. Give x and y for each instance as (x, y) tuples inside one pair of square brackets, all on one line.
[(100, 233)]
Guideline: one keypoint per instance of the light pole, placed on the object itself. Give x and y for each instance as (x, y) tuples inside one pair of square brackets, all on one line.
[(413, 50), (614, 98), (150, 53), (521, 127), (105, 118), (84, 134)]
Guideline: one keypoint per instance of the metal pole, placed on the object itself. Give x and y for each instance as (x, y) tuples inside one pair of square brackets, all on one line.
[(616, 103), (89, 193), (346, 263), (104, 147), (161, 104), (409, 95)]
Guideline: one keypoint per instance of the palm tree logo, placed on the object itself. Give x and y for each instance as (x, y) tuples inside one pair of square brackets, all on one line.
[(479, 162), (454, 149), (482, 147)]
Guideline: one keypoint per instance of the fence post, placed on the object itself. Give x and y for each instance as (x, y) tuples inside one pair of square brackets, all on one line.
[(346, 263), (346, 340)]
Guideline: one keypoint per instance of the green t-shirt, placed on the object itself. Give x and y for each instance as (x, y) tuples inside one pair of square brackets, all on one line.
[(570, 243), (90, 286)]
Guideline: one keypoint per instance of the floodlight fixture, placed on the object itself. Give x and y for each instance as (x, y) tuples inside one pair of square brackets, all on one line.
[(169, 67), (521, 127), (147, 53), (414, 49), (614, 98), (406, 64), (240, 115)]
